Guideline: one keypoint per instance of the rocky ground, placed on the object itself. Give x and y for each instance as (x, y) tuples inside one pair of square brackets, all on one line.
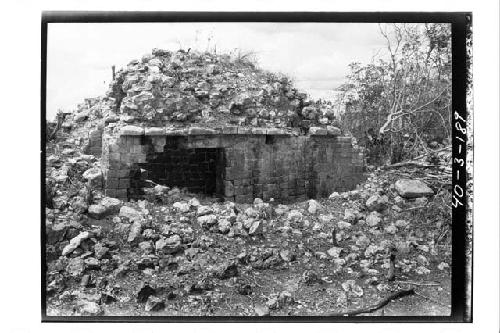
[(177, 253)]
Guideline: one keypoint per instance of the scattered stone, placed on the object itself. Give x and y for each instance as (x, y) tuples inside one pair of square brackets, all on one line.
[(146, 247), (422, 260), (412, 188), (377, 202), (313, 206), (227, 271), (338, 264), (421, 201), (363, 241), (391, 229), (97, 211), (351, 215), (75, 266), (278, 301), (335, 252), (93, 176), (130, 213), (169, 245), (262, 310), (422, 270), (401, 223), (373, 219), (90, 309), (310, 277), (207, 221), (342, 225), (224, 226), (321, 255), (181, 207), (135, 231), (75, 242), (294, 216), (442, 266), (351, 286), (154, 304), (107, 298), (204, 210), (112, 205), (257, 228), (287, 255), (145, 291), (194, 202), (334, 195)]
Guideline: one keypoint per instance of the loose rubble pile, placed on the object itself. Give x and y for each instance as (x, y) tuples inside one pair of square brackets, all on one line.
[(181, 87), (176, 254)]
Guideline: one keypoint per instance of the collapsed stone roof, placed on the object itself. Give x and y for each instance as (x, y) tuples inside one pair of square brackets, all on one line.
[(186, 88)]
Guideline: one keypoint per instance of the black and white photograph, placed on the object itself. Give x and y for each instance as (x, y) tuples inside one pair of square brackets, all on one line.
[(256, 167)]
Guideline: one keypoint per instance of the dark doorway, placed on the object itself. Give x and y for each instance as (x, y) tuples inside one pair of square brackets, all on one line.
[(199, 170)]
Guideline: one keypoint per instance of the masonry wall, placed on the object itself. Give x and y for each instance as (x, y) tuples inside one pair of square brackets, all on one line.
[(94, 144), (246, 165)]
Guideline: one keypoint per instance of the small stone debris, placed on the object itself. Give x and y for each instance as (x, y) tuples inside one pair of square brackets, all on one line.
[(145, 291), (90, 309), (75, 242), (154, 304), (412, 188), (262, 310)]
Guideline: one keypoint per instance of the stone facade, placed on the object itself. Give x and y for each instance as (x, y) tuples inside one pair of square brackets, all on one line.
[(234, 163)]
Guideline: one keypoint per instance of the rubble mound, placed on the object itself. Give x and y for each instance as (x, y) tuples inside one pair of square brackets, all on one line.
[(211, 89)]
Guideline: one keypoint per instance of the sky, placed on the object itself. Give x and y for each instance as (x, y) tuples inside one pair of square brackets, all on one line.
[(315, 55)]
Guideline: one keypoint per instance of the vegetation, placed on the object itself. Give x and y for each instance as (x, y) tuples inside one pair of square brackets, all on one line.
[(401, 101)]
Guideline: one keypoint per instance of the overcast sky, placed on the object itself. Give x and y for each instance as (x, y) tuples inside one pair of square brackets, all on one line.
[(314, 55)]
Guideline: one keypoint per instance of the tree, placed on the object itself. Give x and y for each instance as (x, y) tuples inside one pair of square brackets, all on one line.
[(402, 99)]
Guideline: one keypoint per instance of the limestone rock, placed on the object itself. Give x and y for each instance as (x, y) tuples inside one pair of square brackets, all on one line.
[(295, 216), (207, 220), (373, 219), (261, 310), (313, 206), (335, 252), (112, 205), (93, 176), (75, 242), (351, 215), (130, 213), (257, 228), (341, 225), (97, 211), (154, 304), (203, 210), (181, 207), (90, 309), (224, 226), (412, 188), (169, 245), (135, 231), (75, 266), (377, 202)]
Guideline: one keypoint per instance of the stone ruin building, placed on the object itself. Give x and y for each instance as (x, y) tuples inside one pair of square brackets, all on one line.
[(214, 125)]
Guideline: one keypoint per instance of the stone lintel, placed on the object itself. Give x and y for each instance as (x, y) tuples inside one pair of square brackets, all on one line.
[(258, 131), (132, 130), (169, 131), (333, 131), (153, 131), (202, 131), (318, 131)]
